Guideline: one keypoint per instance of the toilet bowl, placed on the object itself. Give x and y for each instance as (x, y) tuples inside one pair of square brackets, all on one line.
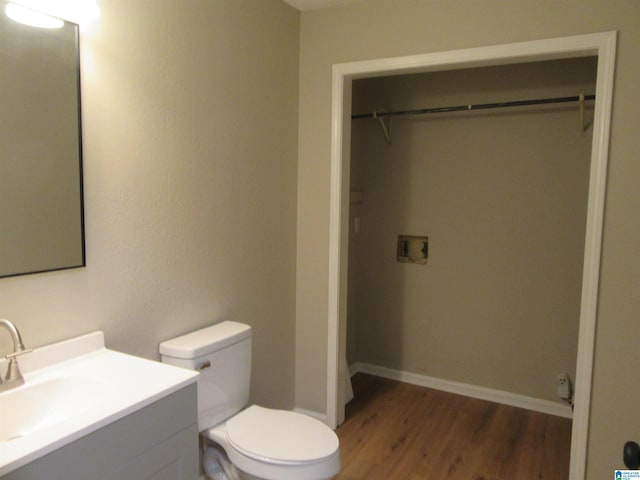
[(262, 443)]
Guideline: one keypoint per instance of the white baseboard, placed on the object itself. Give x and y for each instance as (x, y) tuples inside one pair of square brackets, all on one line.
[(473, 391)]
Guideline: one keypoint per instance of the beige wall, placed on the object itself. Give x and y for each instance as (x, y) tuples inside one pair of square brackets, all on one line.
[(502, 195), (190, 181), (377, 29)]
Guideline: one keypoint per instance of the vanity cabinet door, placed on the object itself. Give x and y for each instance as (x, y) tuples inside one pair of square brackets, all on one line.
[(173, 459)]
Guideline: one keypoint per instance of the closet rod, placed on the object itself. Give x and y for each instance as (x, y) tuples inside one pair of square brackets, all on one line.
[(481, 106)]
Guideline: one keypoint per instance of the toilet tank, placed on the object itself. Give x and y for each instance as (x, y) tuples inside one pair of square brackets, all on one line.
[(222, 355)]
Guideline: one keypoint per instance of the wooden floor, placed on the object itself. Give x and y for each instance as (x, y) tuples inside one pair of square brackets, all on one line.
[(395, 430)]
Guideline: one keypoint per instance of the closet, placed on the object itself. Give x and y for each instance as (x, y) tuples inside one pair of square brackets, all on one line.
[(501, 194)]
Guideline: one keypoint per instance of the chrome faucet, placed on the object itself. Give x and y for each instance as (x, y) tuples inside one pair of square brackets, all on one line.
[(13, 378)]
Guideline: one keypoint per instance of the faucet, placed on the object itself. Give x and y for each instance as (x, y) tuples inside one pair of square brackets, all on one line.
[(13, 378)]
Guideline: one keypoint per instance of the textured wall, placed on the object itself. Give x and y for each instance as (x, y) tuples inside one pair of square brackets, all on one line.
[(189, 112), (378, 29)]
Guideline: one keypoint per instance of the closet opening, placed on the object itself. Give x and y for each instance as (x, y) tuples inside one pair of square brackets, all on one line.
[(511, 201)]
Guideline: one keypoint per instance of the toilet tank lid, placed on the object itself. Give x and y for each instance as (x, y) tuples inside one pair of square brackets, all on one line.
[(205, 341)]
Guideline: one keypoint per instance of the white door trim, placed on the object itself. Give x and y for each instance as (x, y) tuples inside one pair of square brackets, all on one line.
[(601, 44)]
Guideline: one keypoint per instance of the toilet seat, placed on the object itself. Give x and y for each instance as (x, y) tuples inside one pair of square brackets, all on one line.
[(279, 444), (280, 436)]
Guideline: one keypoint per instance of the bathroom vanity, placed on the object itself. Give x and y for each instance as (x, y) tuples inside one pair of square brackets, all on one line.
[(87, 412)]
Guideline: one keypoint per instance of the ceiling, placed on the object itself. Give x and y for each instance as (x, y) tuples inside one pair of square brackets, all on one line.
[(303, 5)]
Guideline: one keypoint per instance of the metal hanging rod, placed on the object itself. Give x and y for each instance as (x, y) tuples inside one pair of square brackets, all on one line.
[(481, 106)]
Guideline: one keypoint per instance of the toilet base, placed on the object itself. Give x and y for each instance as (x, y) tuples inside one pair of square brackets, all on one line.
[(214, 462)]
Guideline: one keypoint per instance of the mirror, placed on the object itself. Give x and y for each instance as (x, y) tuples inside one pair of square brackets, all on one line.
[(41, 204)]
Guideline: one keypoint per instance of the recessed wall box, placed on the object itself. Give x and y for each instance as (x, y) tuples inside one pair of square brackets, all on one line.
[(412, 249)]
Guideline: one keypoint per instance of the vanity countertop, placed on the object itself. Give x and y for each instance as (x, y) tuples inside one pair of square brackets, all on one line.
[(73, 388)]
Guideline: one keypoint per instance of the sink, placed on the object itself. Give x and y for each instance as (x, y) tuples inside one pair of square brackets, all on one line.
[(38, 405), (72, 389)]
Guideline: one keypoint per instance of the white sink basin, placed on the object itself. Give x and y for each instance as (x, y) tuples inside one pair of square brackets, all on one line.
[(34, 406), (74, 388)]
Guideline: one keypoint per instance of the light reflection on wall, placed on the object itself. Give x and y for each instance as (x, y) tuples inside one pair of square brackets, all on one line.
[(76, 11)]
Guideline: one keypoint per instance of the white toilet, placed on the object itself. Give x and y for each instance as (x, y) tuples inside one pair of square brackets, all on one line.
[(262, 443)]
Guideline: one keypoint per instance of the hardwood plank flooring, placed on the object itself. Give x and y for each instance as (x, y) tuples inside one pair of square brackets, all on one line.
[(395, 430)]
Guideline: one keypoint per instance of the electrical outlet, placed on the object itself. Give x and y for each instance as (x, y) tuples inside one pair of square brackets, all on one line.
[(563, 384)]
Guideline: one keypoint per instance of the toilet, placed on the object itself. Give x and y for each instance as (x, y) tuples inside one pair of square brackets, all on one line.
[(261, 443)]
